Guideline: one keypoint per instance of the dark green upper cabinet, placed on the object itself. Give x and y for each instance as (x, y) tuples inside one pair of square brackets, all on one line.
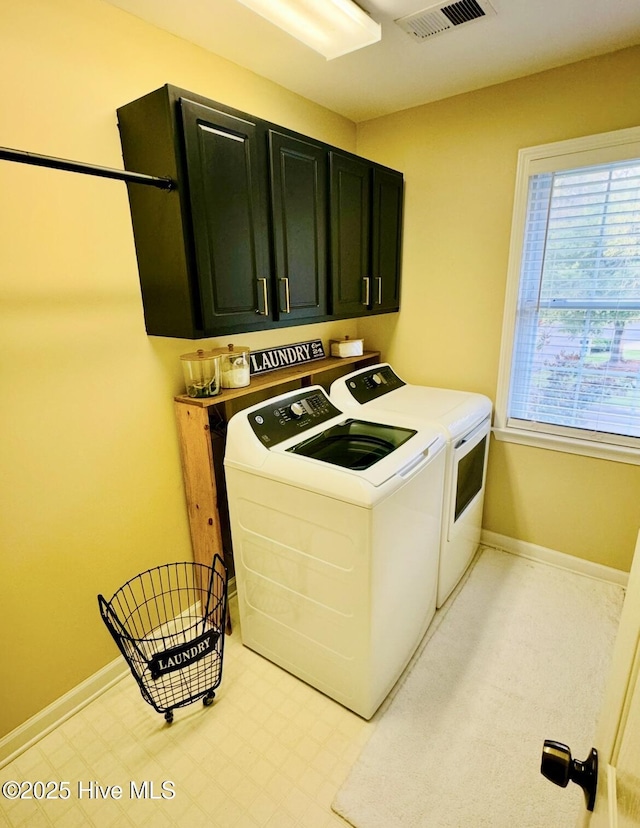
[(151, 143), (298, 178), (366, 236), (386, 239), (229, 215), (350, 232), (266, 228)]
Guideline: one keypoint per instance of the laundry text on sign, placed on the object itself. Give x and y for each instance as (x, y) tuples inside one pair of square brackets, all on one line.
[(296, 354)]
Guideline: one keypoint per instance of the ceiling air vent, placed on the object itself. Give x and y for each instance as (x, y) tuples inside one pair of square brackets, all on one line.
[(442, 17)]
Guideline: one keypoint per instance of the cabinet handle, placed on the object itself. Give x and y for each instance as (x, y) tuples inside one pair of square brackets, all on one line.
[(265, 298), (379, 281), (367, 290), (287, 302)]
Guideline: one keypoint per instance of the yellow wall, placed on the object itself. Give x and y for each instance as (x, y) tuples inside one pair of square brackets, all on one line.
[(459, 157), (91, 485)]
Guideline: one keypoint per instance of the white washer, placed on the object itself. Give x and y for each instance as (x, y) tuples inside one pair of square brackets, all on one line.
[(466, 418), (335, 522)]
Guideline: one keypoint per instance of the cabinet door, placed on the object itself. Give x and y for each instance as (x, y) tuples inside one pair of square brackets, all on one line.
[(350, 208), (298, 172), (229, 215), (386, 235)]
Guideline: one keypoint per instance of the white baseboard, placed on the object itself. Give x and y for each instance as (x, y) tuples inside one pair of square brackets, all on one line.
[(559, 559), (35, 728)]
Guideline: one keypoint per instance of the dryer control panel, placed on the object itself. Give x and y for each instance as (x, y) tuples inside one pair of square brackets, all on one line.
[(280, 419), (369, 385)]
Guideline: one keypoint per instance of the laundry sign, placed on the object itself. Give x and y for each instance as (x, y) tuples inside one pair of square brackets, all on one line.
[(176, 658), (284, 355)]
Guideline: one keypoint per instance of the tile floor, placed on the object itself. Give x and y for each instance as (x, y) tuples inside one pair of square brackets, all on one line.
[(271, 752)]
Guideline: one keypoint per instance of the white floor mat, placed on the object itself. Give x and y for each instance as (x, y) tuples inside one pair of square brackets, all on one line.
[(521, 654)]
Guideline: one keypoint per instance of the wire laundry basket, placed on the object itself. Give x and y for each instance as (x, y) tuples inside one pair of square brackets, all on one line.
[(168, 623)]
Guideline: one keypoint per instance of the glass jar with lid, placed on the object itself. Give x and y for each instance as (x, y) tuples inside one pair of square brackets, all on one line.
[(234, 367), (202, 373)]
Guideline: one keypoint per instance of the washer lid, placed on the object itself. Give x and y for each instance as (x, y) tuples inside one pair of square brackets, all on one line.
[(354, 444), (378, 389)]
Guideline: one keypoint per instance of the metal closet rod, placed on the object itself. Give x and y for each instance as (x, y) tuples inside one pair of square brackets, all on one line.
[(88, 169)]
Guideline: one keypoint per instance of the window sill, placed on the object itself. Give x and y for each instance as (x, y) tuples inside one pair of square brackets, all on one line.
[(586, 448)]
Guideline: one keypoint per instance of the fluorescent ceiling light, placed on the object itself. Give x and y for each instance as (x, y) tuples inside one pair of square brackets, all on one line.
[(331, 27)]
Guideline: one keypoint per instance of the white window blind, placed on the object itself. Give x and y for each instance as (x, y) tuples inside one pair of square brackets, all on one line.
[(575, 367)]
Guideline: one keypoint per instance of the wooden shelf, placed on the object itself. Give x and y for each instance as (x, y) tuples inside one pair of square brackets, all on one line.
[(273, 379)]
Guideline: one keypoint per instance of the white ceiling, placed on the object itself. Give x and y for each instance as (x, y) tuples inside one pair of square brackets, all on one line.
[(525, 36)]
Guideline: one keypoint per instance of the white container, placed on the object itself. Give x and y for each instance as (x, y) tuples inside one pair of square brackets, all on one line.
[(346, 347), (234, 367)]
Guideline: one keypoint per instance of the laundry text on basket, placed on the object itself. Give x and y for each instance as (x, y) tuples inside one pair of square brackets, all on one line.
[(186, 654)]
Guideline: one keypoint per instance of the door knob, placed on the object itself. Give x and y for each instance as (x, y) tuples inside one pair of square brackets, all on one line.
[(559, 767)]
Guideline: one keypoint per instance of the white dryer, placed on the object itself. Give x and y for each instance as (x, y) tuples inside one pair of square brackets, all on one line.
[(335, 522), (466, 419)]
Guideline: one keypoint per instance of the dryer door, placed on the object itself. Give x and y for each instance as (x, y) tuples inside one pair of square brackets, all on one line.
[(469, 466)]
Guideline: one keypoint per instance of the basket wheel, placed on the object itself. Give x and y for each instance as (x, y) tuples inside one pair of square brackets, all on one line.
[(168, 716), (208, 699)]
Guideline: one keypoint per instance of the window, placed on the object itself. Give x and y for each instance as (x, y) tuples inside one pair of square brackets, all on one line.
[(570, 363)]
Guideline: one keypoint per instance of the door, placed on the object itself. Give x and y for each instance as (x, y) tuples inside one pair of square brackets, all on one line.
[(350, 208), (618, 735), (386, 236), (615, 761), (298, 175), (226, 178)]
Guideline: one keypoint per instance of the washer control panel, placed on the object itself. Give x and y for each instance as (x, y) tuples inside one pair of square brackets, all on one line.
[(369, 385), (281, 419)]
